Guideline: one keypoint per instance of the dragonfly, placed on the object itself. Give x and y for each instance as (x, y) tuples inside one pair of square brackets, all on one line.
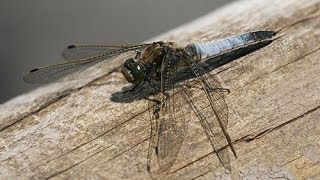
[(162, 65)]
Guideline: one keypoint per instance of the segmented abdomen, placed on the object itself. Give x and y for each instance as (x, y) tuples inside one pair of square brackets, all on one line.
[(200, 51)]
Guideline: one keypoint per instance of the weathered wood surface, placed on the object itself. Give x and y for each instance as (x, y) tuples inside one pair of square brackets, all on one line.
[(75, 130)]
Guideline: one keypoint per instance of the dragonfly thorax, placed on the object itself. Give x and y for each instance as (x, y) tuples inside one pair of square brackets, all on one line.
[(179, 75), (133, 71)]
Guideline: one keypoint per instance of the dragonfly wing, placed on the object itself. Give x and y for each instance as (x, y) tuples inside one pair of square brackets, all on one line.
[(207, 119), (58, 71), (74, 52), (153, 105), (171, 131), (211, 109), (170, 116)]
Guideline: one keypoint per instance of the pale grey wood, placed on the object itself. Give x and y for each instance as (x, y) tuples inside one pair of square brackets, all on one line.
[(75, 130)]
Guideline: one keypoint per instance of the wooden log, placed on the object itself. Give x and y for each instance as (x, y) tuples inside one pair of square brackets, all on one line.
[(83, 130)]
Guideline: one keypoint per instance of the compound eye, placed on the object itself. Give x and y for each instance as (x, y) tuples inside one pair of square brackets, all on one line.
[(127, 70), (133, 71), (128, 63), (139, 68)]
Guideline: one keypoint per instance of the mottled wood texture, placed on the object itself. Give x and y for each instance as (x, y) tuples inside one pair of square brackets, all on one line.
[(83, 130)]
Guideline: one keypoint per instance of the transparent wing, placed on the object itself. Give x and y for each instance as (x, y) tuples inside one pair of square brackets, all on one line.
[(55, 72), (153, 112), (170, 119), (207, 119), (211, 109), (74, 52), (174, 105)]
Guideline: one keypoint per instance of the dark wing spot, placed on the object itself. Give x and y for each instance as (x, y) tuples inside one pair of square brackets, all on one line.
[(71, 46), (33, 70), (156, 148), (148, 168)]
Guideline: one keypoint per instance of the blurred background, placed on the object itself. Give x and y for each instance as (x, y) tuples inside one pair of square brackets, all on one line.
[(33, 33)]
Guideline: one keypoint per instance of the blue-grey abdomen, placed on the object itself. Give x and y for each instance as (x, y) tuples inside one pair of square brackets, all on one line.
[(200, 51)]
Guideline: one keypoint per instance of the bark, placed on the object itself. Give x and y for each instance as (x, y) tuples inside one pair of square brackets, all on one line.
[(91, 129)]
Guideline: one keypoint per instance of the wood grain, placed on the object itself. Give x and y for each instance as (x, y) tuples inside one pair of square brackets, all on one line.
[(91, 130)]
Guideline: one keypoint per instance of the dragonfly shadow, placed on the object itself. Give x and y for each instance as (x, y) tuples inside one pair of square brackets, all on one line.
[(127, 95), (145, 90)]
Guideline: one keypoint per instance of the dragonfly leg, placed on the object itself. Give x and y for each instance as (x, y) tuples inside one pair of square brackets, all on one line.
[(157, 106)]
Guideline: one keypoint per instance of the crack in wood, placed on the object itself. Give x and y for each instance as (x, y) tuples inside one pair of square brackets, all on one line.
[(73, 165), (26, 115), (251, 137), (278, 19), (292, 160), (60, 96), (93, 139), (88, 158), (192, 162), (200, 175), (300, 21), (258, 135), (280, 67)]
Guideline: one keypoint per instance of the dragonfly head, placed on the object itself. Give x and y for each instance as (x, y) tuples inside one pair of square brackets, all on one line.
[(133, 71)]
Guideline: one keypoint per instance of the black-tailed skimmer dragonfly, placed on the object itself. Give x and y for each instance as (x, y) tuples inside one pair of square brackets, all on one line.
[(160, 64)]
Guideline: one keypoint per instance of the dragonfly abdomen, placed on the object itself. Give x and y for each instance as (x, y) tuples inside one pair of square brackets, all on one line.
[(200, 51)]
